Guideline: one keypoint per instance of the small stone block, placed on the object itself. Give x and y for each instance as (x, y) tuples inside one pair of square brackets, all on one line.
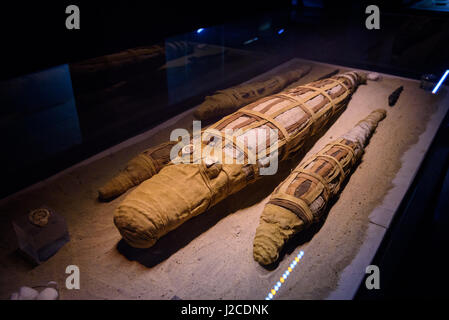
[(39, 243)]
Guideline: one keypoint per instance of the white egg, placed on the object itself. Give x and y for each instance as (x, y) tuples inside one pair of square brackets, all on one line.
[(48, 294), (27, 293)]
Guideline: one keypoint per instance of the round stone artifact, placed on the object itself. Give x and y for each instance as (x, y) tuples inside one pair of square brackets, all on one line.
[(39, 217)]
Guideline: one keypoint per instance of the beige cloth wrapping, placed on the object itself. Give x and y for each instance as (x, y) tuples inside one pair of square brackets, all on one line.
[(181, 191), (138, 169), (224, 102), (302, 198)]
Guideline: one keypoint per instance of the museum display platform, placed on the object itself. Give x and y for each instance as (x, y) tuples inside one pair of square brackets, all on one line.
[(210, 256)]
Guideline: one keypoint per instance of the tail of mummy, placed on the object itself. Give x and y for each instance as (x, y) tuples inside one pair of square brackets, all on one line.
[(226, 101), (290, 212), (138, 169)]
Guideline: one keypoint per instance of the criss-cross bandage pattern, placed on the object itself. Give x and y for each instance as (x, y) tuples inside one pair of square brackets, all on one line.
[(224, 102), (301, 199), (183, 190)]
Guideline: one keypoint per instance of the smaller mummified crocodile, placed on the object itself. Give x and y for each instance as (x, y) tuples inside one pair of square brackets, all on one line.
[(301, 199), (224, 102)]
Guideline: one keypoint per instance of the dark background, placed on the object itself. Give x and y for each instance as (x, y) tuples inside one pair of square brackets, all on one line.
[(34, 36), (33, 33)]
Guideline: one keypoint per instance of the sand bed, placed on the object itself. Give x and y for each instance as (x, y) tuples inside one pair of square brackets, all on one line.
[(210, 256)]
